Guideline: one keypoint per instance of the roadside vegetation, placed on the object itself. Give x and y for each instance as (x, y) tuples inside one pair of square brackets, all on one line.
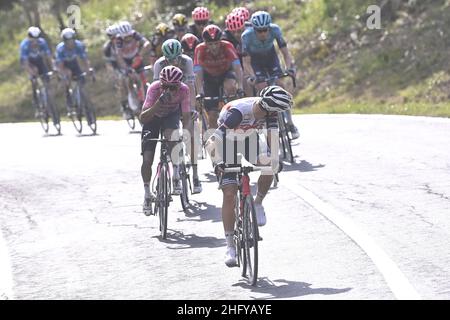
[(343, 66)]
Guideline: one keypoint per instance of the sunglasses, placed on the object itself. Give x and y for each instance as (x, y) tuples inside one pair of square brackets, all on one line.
[(201, 22), (128, 38), (171, 87), (262, 30)]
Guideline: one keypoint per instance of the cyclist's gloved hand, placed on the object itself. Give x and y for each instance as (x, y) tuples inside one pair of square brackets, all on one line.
[(137, 61), (165, 97), (219, 168), (292, 71), (199, 97), (194, 115), (240, 93), (251, 80)]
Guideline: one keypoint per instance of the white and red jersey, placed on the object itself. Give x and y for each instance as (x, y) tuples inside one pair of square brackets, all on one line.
[(129, 49), (238, 114)]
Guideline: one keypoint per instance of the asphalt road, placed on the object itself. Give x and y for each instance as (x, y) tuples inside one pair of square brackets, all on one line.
[(364, 213)]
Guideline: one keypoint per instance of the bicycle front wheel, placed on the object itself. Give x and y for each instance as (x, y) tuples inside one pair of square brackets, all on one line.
[(76, 117), (250, 241), (43, 116), (285, 140), (184, 196), (163, 198), (54, 113), (91, 117)]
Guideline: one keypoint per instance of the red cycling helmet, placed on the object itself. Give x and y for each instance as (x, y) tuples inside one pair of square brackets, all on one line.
[(211, 33), (235, 22), (189, 42), (171, 75), (200, 13), (243, 11)]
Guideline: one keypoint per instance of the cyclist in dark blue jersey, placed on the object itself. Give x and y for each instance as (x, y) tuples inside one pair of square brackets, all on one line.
[(36, 58), (70, 53), (259, 55)]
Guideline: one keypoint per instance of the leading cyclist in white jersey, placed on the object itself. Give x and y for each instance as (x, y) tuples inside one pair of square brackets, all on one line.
[(241, 119)]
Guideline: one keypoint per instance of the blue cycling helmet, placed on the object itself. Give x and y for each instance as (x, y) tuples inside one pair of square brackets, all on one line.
[(261, 19)]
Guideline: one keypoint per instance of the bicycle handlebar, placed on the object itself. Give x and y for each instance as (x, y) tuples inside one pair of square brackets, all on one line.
[(271, 80), (217, 98), (49, 73), (243, 169), (164, 140)]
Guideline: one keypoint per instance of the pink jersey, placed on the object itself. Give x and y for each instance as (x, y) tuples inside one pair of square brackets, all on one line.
[(179, 99)]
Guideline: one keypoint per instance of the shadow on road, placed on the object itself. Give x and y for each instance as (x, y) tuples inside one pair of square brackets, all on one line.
[(202, 211), (210, 177), (177, 240), (51, 135), (302, 166), (281, 288)]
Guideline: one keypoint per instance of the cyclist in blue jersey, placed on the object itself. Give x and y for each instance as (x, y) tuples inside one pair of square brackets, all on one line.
[(68, 54), (260, 57), (36, 58)]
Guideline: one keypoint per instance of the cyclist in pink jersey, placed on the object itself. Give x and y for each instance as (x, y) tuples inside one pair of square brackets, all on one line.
[(166, 99)]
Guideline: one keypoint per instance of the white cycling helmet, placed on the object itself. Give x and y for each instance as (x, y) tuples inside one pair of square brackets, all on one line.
[(275, 99), (112, 30), (67, 34), (125, 29), (34, 32)]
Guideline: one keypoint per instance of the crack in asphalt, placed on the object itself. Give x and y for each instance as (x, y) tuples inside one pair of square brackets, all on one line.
[(429, 190), (31, 222), (420, 216), (110, 224)]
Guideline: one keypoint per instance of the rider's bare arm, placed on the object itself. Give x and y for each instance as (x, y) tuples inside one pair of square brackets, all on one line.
[(145, 48), (288, 61), (148, 114), (199, 79), (248, 70), (239, 76)]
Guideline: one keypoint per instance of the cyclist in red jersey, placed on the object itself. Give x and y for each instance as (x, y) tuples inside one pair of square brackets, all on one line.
[(216, 64)]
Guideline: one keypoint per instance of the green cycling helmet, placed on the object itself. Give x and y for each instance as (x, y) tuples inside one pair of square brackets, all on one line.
[(171, 49)]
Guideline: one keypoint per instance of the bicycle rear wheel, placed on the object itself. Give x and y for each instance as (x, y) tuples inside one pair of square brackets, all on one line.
[(131, 122), (54, 113), (76, 118), (163, 199), (91, 117), (250, 241), (43, 119), (285, 140)]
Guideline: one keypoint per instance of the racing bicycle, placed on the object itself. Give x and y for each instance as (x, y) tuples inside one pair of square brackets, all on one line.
[(136, 92), (246, 232), (44, 103), (80, 104)]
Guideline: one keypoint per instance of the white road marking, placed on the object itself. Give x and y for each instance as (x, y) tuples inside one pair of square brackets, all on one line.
[(395, 279), (6, 282)]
